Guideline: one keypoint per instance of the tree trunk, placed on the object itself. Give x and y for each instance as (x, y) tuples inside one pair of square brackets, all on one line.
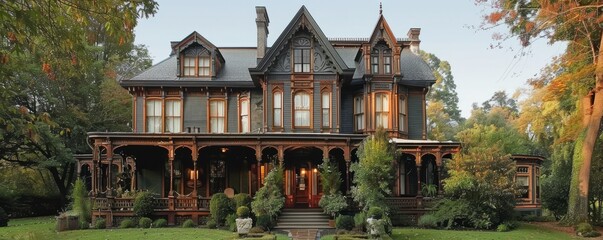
[(583, 151)]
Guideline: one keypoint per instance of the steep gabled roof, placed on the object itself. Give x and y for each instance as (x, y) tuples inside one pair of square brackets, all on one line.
[(195, 37), (302, 17), (383, 32)]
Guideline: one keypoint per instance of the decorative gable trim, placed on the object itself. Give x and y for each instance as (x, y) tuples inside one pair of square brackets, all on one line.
[(301, 21)]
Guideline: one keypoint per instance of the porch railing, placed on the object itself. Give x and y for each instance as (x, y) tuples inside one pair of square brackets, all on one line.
[(127, 204)]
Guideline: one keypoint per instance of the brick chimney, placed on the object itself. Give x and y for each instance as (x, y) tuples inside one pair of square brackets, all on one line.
[(413, 35), (262, 22)]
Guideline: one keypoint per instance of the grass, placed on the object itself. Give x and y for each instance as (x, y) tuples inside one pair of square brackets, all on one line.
[(44, 228), (525, 231)]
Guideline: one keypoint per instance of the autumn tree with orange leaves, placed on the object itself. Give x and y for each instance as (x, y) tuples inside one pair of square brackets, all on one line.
[(54, 57), (579, 24)]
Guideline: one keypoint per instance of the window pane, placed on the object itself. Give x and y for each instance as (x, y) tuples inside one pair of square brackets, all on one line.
[(325, 118), (244, 124), (302, 109), (277, 118), (153, 116), (277, 103), (244, 116), (277, 100)]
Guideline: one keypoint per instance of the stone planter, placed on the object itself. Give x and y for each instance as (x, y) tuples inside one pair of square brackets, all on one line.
[(243, 225), (373, 226), (65, 223), (332, 223)]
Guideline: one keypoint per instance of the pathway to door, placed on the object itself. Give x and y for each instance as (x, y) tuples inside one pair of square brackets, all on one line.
[(304, 234)]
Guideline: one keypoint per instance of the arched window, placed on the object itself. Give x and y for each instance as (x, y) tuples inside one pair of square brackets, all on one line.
[(301, 109), (277, 109), (382, 110)]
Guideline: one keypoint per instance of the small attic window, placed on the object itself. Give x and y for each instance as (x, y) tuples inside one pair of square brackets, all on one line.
[(196, 62), (196, 66)]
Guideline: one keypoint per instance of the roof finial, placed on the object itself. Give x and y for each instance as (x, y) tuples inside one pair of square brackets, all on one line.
[(380, 9)]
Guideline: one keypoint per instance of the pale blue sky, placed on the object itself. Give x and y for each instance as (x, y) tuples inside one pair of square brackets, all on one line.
[(448, 30)]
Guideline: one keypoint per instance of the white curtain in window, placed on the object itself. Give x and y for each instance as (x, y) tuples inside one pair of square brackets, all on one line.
[(302, 109), (277, 103), (189, 66), (359, 112), (172, 116), (204, 66), (402, 114), (326, 109), (153, 116), (216, 116), (245, 116), (382, 110)]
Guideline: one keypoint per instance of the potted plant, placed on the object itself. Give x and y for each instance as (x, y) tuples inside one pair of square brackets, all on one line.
[(244, 222)]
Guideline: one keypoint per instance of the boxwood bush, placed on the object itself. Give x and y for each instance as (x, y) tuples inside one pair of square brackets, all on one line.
[(127, 223), (144, 204), (100, 223), (344, 222), (189, 224), (144, 222), (220, 206), (159, 223)]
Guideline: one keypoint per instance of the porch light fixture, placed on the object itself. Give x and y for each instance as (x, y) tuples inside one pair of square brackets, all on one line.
[(315, 170), (224, 149)]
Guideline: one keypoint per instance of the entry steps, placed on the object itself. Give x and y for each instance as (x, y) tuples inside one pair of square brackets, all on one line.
[(302, 218)]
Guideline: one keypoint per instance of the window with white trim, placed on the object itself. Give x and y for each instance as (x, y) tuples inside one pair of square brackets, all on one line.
[(217, 116), (301, 103), (172, 116), (153, 116)]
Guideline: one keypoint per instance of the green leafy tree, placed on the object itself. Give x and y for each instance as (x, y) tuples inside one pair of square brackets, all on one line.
[(480, 191), (332, 202), (443, 113), (80, 202), (578, 23), (373, 173)]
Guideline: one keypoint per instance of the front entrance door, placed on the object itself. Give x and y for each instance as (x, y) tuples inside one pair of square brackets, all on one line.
[(302, 185)]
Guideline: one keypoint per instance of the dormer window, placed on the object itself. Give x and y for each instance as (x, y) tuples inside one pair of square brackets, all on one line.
[(381, 59), (196, 66)]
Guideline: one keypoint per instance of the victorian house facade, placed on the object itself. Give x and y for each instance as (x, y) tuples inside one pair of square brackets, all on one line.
[(211, 119)]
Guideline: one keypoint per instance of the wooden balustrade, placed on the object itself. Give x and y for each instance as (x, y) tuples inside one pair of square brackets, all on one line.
[(162, 203), (186, 203), (123, 203), (100, 203), (203, 203)]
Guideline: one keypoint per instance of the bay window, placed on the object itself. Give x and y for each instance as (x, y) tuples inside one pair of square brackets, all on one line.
[(382, 110)]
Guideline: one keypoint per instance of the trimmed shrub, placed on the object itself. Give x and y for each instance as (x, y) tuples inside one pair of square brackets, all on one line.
[(220, 206), (243, 212), (211, 224), (145, 222), (231, 222), (428, 221), (127, 223), (344, 222), (503, 228), (189, 224), (242, 199), (256, 230), (586, 230), (3, 218), (84, 224), (100, 223), (265, 222), (144, 204), (360, 220), (375, 212), (159, 223)]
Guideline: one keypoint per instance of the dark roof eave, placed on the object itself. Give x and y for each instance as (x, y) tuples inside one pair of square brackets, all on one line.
[(225, 135), (417, 83), (178, 83)]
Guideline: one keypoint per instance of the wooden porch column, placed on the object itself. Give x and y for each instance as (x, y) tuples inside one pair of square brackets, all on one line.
[(195, 174), (95, 159), (281, 156), (347, 175), (258, 159), (440, 168), (171, 161)]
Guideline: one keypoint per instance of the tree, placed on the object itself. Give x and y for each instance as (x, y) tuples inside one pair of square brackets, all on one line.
[(578, 23), (54, 56), (373, 173), (443, 114)]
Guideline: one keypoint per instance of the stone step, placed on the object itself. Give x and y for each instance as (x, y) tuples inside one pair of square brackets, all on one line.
[(285, 218)]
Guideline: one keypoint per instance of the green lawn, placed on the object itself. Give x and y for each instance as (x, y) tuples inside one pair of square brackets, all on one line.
[(44, 228), (525, 231)]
